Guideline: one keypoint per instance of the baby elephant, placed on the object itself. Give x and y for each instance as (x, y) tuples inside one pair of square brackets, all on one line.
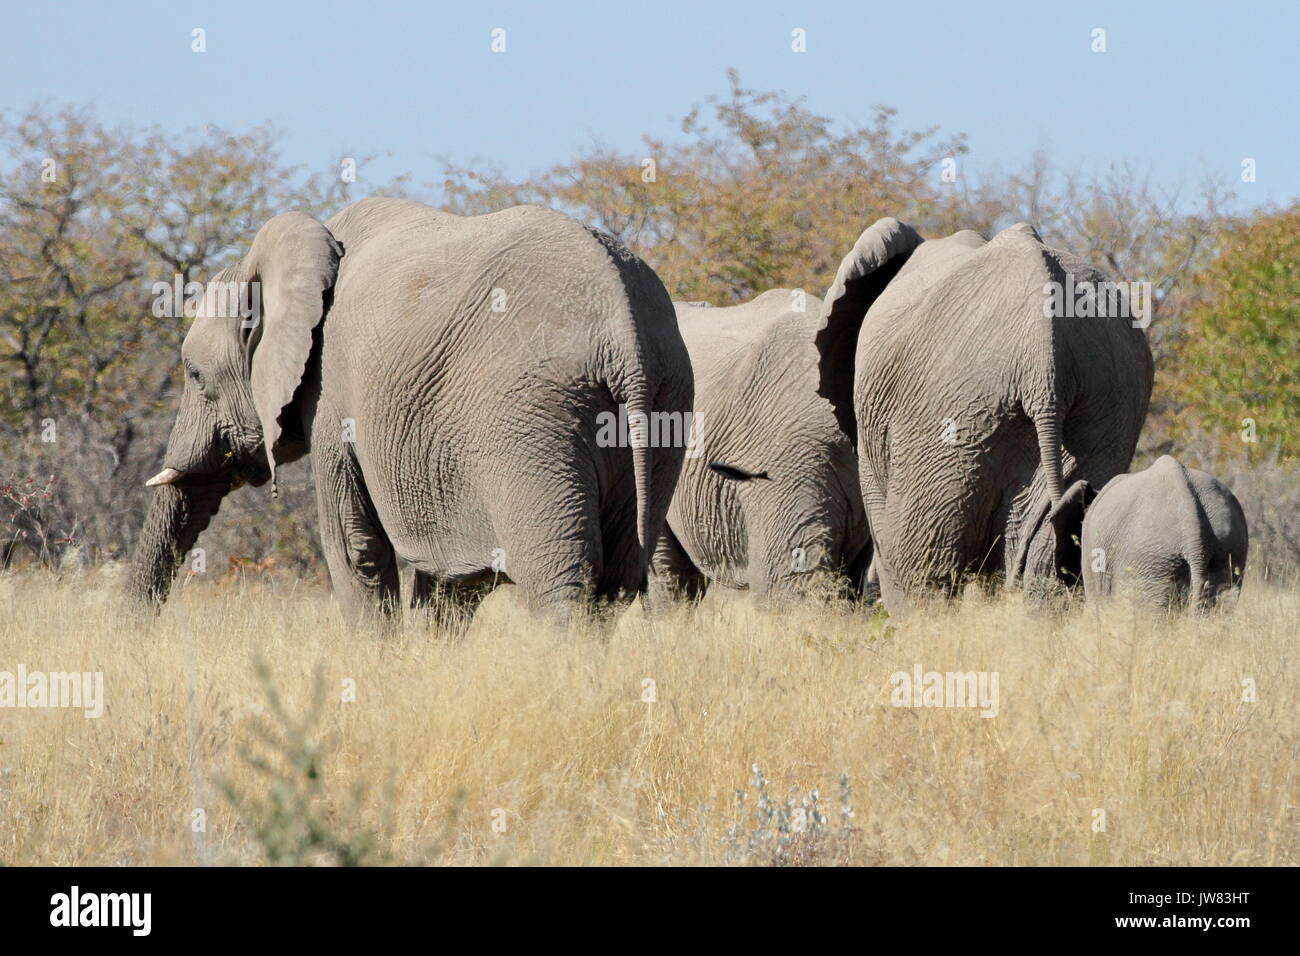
[(1170, 536)]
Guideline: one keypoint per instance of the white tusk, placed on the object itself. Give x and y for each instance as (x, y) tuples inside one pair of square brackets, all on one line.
[(164, 477)]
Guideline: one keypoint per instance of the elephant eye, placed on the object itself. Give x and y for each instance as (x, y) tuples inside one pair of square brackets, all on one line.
[(194, 375)]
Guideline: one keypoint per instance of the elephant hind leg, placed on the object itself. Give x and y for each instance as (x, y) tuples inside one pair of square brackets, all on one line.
[(922, 546), (553, 551), (864, 577), (451, 604), (674, 574)]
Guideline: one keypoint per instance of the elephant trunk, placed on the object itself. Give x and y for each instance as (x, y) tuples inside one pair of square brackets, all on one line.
[(177, 516)]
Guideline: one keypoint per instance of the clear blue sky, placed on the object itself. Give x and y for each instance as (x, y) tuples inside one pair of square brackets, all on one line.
[(1183, 89)]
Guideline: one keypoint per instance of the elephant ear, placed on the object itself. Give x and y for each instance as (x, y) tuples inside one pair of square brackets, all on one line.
[(863, 274), (295, 260)]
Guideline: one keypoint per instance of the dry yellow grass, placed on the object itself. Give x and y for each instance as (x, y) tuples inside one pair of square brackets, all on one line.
[(1129, 712)]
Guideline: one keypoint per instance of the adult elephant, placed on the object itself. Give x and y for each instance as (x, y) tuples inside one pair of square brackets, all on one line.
[(449, 376), (977, 393), (769, 492)]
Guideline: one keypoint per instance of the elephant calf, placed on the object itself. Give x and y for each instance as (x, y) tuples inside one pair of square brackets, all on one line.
[(1171, 536)]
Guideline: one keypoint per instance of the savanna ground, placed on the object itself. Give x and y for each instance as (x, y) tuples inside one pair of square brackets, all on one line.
[(522, 743)]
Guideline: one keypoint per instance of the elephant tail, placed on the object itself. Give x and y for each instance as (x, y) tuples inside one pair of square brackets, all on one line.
[(1200, 592), (650, 368), (1047, 424), (638, 411), (1196, 590)]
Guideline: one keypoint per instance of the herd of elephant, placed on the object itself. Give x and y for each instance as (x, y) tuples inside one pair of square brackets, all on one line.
[(929, 420)]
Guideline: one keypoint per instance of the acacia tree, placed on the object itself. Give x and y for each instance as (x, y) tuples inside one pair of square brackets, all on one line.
[(91, 217), (1235, 359), (759, 192), (756, 192)]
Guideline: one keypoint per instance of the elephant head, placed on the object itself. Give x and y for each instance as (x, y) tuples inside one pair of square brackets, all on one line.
[(775, 378), (244, 359)]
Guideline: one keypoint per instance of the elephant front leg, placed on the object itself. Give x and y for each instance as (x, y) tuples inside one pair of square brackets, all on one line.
[(361, 560)]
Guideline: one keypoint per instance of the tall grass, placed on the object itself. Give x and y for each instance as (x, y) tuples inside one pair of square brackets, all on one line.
[(727, 732)]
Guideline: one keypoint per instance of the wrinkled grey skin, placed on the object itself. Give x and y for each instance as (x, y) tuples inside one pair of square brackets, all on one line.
[(758, 412), (971, 410), (441, 431), (1169, 536)]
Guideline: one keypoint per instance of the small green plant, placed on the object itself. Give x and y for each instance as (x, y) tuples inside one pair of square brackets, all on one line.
[(793, 833), (293, 822), (34, 517)]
